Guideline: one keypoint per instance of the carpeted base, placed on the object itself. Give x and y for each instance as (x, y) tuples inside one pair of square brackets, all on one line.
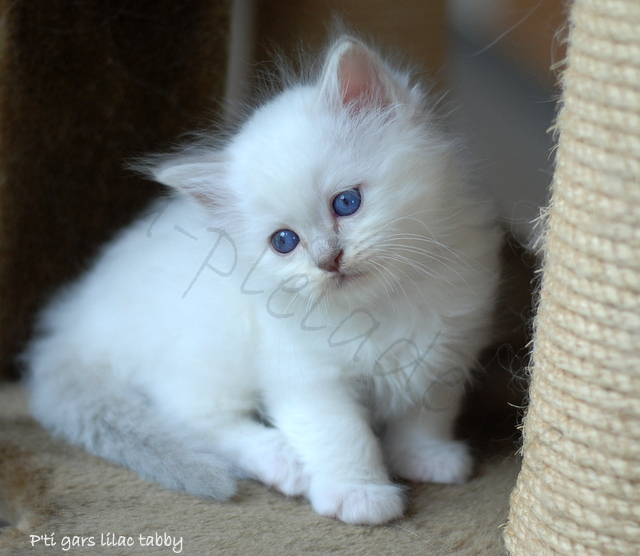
[(50, 488)]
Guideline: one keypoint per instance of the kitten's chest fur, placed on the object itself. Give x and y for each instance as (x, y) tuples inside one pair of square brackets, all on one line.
[(390, 354)]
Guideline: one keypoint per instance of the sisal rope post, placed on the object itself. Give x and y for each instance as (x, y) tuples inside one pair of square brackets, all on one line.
[(579, 488)]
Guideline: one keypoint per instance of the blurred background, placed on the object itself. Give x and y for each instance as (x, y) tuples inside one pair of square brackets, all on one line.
[(503, 68)]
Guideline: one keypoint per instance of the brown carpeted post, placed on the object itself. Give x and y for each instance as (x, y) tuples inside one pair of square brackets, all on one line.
[(579, 488), (84, 86)]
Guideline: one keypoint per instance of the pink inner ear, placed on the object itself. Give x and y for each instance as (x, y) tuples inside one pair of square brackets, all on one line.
[(361, 83)]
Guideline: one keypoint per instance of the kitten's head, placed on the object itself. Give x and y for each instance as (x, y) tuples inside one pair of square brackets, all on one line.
[(345, 183)]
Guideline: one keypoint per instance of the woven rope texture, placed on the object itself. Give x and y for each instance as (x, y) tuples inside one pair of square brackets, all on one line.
[(579, 488)]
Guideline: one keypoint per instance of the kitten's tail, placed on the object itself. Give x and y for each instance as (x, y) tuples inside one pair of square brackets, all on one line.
[(118, 425)]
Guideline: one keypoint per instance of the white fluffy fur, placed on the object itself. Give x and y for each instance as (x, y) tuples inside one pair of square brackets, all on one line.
[(194, 353)]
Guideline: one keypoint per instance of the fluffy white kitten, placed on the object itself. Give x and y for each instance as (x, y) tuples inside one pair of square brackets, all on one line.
[(303, 311)]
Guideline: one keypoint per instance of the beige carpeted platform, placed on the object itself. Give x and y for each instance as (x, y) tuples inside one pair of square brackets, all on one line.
[(50, 488)]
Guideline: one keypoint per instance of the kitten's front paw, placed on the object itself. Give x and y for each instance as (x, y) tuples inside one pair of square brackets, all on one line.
[(358, 503), (440, 462)]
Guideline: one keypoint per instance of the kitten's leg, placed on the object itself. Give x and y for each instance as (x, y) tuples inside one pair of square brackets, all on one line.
[(420, 446), (262, 453), (329, 430)]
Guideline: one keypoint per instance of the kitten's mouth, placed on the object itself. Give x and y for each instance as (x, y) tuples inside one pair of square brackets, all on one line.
[(342, 278)]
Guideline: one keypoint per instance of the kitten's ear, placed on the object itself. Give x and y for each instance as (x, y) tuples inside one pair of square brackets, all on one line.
[(201, 179), (355, 78)]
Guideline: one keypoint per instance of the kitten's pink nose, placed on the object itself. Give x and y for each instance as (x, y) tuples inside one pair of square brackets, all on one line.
[(332, 263)]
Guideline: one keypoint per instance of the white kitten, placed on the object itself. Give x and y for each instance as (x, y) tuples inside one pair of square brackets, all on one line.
[(303, 311)]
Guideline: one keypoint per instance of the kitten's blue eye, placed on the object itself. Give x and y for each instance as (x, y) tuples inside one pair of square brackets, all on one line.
[(285, 241), (347, 202)]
